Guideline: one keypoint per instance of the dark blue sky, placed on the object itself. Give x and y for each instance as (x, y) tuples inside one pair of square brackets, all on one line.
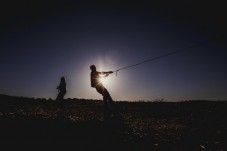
[(40, 41)]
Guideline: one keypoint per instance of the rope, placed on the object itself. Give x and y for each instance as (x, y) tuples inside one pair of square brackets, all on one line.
[(167, 54)]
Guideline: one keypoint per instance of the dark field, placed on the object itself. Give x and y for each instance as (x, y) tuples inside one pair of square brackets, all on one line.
[(178, 126)]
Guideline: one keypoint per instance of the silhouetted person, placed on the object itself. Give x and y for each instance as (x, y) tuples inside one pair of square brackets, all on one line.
[(61, 89), (95, 83)]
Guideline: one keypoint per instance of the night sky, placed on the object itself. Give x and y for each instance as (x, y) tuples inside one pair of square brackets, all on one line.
[(42, 40)]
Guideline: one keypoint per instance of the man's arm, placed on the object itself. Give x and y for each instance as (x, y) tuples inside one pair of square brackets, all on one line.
[(106, 73)]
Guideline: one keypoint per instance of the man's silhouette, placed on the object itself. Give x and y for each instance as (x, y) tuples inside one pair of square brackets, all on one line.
[(95, 83), (61, 89)]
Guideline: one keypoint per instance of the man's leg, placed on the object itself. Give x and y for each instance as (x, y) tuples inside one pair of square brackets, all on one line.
[(112, 107), (109, 98), (106, 110)]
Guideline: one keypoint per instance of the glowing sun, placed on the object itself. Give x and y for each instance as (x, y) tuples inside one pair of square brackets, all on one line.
[(103, 80)]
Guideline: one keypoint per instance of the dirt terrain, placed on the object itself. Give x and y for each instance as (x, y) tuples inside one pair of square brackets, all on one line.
[(179, 126)]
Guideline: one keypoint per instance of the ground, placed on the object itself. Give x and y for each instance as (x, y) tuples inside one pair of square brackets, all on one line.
[(187, 125)]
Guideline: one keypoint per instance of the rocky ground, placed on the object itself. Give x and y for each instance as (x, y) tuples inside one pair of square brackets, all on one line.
[(178, 126)]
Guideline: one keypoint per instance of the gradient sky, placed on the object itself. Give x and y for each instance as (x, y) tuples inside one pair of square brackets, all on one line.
[(40, 41)]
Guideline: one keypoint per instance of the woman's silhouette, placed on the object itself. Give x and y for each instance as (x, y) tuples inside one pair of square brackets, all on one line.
[(61, 89)]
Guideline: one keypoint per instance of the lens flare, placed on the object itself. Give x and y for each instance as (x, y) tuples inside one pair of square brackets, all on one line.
[(103, 80)]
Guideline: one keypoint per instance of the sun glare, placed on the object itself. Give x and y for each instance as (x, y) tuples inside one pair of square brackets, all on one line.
[(103, 80)]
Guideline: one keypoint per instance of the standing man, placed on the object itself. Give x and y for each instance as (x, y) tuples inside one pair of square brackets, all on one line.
[(96, 83), (61, 89)]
